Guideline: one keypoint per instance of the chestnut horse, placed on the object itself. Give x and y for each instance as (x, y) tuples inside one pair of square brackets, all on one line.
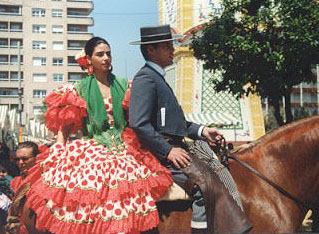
[(289, 156)]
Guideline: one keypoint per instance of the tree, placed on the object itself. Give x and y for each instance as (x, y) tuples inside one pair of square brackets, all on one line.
[(262, 47)]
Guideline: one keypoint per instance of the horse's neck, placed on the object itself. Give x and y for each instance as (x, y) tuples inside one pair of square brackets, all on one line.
[(290, 160)]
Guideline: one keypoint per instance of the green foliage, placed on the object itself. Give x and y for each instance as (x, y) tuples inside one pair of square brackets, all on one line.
[(268, 44)]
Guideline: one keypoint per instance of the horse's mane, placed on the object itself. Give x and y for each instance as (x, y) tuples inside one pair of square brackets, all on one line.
[(274, 133)]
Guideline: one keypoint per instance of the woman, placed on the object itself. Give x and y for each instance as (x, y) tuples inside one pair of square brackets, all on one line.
[(105, 181)]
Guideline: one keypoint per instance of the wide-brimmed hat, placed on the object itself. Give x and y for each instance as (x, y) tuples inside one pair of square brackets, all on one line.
[(156, 34)]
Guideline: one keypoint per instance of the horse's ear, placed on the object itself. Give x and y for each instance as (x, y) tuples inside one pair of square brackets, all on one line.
[(230, 146)]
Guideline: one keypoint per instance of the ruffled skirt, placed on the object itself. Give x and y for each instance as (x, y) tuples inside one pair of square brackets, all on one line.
[(85, 187)]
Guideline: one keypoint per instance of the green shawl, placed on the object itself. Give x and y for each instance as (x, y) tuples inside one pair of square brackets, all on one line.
[(97, 125)]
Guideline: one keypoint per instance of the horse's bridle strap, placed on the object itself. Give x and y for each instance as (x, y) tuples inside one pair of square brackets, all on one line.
[(276, 186)]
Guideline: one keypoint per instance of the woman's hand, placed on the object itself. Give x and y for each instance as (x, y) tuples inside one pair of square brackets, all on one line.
[(63, 134)]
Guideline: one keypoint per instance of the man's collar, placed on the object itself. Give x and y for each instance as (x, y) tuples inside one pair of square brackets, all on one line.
[(156, 67)]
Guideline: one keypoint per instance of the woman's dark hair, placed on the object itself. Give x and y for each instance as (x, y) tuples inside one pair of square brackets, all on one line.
[(29, 144), (92, 43)]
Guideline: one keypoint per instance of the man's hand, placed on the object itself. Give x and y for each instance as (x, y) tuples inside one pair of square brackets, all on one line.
[(212, 135), (179, 157)]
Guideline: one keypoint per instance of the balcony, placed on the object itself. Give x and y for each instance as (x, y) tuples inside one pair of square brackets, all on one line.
[(83, 37), (81, 4), (9, 93), (79, 19), (11, 10), (76, 44)]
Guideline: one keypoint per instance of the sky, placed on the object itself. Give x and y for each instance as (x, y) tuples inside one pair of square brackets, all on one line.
[(119, 22)]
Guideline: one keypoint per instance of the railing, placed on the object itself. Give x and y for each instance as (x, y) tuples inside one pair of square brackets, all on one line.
[(75, 48), (10, 13), (11, 79), (79, 32), (78, 16), (16, 30), (79, 0), (9, 96), (11, 30), (72, 64)]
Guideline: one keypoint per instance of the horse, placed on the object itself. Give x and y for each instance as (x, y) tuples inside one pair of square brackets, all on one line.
[(288, 156)]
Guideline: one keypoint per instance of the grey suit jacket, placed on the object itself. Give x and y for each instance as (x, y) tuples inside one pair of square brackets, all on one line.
[(154, 112)]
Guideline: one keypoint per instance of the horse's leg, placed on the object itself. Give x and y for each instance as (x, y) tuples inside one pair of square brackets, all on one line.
[(315, 220), (175, 216)]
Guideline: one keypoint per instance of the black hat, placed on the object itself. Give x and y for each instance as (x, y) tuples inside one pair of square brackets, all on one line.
[(150, 35)]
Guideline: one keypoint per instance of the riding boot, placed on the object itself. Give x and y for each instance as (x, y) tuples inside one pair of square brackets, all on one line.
[(222, 212)]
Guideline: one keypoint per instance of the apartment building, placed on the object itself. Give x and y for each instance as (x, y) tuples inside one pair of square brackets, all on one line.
[(51, 33)]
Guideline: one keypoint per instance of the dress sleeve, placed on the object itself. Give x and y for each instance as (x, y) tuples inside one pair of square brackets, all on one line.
[(65, 109)]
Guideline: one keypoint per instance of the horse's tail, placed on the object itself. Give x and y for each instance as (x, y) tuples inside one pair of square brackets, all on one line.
[(15, 210)]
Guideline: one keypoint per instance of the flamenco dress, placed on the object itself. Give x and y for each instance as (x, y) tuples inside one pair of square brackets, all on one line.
[(84, 186)]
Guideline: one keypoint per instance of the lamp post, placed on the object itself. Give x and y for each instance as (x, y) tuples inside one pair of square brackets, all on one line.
[(20, 95)]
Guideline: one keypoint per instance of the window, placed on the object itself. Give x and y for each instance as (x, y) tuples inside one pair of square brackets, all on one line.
[(57, 29), (3, 43), (4, 75), (4, 59), (15, 27), (75, 76), (57, 61), (37, 45), (57, 45), (9, 92), (14, 43), (14, 76), (39, 77), (37, 12), (39, 93), (58, 77), (72, 61), (14, 59), (38, 28), (4, 26), (76, 45), (56, 12), (37, 110), (39, 61)]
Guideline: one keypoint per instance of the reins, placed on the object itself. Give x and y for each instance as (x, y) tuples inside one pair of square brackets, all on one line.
[(224, 155)]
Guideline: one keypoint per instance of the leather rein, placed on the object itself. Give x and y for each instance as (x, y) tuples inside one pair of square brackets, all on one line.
[(224, 155)]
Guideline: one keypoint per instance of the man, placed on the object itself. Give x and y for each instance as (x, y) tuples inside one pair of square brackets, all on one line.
[(25, 158), (157, 118)]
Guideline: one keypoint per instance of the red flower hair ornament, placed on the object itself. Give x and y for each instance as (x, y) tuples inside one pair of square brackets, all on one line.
[(82, 60)]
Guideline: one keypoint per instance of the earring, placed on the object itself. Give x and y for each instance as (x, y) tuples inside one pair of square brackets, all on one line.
[(110, 68), (90, 69)]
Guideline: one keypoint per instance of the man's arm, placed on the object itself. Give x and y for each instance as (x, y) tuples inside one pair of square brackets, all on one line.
[(142, 102)]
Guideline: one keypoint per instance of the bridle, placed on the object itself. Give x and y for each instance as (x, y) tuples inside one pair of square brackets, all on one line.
[(224, 155)]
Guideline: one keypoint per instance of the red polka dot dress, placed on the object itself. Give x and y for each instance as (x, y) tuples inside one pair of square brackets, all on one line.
[(84, 187)]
